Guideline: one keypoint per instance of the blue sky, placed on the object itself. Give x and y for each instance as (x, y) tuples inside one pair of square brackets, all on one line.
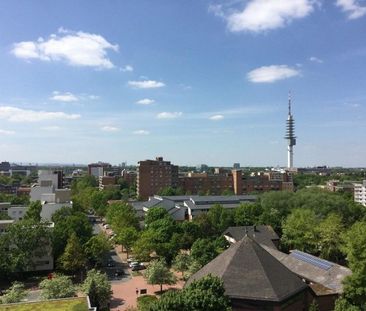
[(195, 81)]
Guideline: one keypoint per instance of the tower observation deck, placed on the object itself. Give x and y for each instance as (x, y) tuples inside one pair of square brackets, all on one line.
[(290, 136)]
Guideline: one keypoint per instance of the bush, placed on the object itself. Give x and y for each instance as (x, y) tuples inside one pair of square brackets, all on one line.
[(144, 302)]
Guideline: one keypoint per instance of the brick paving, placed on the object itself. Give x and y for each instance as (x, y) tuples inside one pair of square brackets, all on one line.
[(124, 293)]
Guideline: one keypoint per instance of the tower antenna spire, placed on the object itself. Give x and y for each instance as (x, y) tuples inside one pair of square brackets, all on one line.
[(290, 134), (289, 102)]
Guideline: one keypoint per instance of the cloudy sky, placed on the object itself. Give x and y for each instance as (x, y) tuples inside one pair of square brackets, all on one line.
[(195, 81)]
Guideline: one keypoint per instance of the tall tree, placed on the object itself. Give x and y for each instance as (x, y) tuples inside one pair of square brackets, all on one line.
[(34, 211), (73, 259), (97, 285), (97, 247), (121, 215), (182, 262), (158, 273), (127, 236), (299, 230), (329, 231)]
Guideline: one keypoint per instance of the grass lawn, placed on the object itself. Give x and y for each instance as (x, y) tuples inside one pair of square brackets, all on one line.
[(77, 304)]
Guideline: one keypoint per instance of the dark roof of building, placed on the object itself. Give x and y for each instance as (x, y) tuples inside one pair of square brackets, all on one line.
[(223, 199), (328, 274), (249, 272), (262, 234)]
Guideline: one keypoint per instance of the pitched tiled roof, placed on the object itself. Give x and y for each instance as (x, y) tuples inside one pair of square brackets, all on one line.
[(249, 272), (262, 234)]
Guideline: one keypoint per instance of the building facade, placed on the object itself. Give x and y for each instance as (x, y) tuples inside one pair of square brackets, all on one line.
[(360, 193), (155, 175)]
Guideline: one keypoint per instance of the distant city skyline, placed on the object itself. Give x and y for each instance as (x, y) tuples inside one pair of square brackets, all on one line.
[(193, 81)]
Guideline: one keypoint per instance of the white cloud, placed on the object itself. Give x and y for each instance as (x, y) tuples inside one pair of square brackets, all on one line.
[(147, 84), (93, 97), (269, 74), (169, 115), (74, 48), (141, 132), (145, 101), (51, 128), (262, 15), (127, 68), (316, 60), (216, 117), (352, 8), (14, 114), (6, 132), (64, 97), (109, 128)]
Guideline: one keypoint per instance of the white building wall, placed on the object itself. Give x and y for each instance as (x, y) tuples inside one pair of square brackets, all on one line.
[(360, 193), (37, 191)]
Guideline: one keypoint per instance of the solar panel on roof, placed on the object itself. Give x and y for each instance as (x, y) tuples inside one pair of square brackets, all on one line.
[(315, 261)]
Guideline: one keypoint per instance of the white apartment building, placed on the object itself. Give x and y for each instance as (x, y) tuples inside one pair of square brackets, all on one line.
[(360, 193)]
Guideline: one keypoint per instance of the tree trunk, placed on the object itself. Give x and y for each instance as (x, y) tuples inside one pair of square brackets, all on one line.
[(161, 288)]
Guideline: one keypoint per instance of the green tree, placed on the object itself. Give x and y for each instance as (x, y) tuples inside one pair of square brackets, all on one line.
[(73, 259), (299, 230), (182, 262), (220, 218), (144, 246), (329, 231), (158, 273), (27, 240), (4, 216), (206, 294), (34, 211), (203, 251), (154, 214), (60, 286), (97, 285), (354, 246), (67, 221), (121, 215), (16, 293), (247, 214), (190, 232), (97, 247), (127, 236)]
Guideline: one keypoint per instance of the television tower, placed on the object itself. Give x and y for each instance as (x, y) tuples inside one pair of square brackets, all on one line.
[(290, 136)]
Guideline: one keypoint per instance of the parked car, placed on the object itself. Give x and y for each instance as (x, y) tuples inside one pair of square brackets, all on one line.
[(133, 263), (138, 267), (110, 263), (119, 273)]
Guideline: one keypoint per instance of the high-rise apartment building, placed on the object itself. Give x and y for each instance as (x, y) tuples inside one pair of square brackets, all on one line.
[(155, 175), (360, 193)]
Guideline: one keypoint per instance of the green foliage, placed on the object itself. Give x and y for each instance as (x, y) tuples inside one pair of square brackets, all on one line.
[(60, 286), (15, 293), (68, 221), (27, 240), (144, 302), (127, 236), (34, 211), (329, 231), (206, 294), (4, 216), (314, 306), (354, 246), (299, 230), (73, 258), (342, 304), (275, 207), (97, 284), (121, 215), (97, 247), (190, 232), (247, 214), (158, 273), (220, 218), (144, 246), (203, 251), (154, 214), (169, 191), (182, 262)]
